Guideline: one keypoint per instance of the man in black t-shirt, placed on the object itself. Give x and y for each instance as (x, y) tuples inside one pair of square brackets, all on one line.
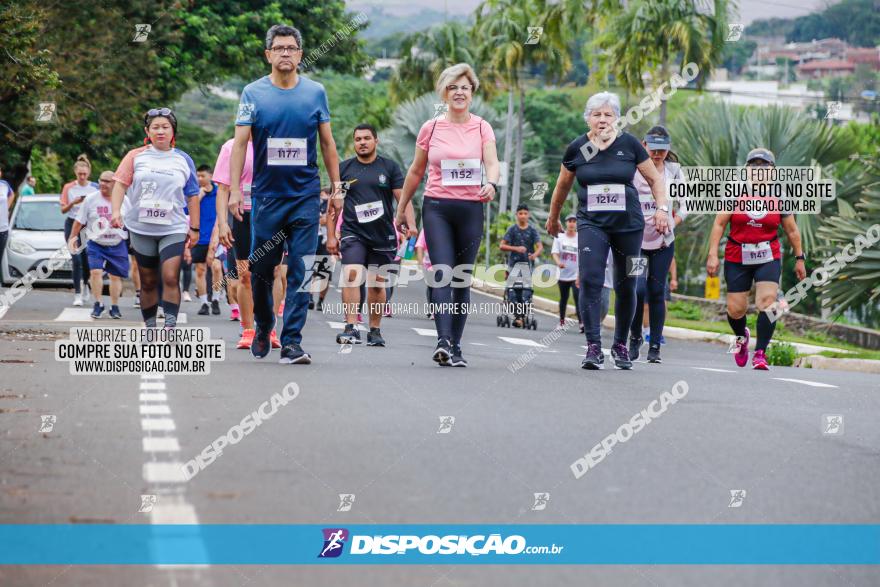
[(367, 238)]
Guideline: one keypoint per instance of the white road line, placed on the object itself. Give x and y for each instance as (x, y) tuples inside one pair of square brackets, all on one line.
[(75, 315), (153, 397), (522, 341), (341, 326), (605, 351), (164, 472), (153, 376), (479, 344), (157, 425), (426, 332), (714, 370), (160, 444), (173, 510), (804, 382), (158, 385), (155, 410)]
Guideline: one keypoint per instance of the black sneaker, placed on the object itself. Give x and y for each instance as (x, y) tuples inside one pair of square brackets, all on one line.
[(457, 360), (215, 307), (349, 336), (97, 310), (204, 310), (594, 358), (635, 344), (374, 338), (261, 345), (115, 313), (319, 306), (654, 354), (443, 353), (620, 356), (293, 354), (311, 304)]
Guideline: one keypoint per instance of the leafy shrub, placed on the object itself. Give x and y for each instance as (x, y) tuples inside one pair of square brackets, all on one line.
[(781, 353), (685, 311)]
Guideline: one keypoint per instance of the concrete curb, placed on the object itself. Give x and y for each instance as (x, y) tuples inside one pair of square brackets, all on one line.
[(820, 362), (812, 361)]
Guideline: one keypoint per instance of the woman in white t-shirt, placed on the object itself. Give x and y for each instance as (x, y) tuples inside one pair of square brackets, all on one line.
[(72, 196), (159, 181), (565, 255), (658, 249)]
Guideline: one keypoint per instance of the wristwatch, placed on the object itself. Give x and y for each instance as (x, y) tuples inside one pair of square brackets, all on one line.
[(664, 207), (494, 185), (801, 257), (194, 228)]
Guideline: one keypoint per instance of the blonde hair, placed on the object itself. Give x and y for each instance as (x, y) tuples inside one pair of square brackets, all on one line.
[(82, 161), (452, 73)]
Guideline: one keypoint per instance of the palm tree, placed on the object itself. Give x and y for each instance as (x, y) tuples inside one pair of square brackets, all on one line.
[(648, 36), (425, 55), (713, 133), (505, 29)]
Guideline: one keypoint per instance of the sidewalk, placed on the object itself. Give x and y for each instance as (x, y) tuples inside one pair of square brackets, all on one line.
[(551, 308)]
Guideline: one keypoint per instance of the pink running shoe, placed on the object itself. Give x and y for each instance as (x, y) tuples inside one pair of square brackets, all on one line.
[(759, 361), (234, 314), (742, 354)]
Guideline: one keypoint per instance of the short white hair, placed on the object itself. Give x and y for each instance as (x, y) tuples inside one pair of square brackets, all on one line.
[(452, 73), (599, 100)]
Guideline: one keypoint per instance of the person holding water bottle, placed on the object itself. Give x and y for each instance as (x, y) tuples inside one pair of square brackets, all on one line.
[(367, 238)]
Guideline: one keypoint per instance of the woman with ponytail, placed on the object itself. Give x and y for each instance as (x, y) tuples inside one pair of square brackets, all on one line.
[(72, 196)]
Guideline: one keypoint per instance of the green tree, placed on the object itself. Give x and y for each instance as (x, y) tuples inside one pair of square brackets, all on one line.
[(425, 54), (650, 36), (82, 58)]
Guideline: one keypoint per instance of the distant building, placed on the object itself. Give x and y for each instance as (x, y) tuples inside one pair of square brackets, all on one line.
[(869, 56), (825, 68)]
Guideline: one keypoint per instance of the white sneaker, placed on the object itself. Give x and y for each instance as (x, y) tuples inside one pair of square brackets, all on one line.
[(87, 293), (160, 313), (77, 300), (187, 297)]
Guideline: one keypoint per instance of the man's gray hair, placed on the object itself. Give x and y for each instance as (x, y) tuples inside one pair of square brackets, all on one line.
[(283, 30), (599, 100)]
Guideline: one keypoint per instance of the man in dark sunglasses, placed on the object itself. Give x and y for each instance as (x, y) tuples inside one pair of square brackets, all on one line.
[(285, 115)]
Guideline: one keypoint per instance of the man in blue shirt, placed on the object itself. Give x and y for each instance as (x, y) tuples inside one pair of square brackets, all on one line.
[(285, 115), (202, 256)]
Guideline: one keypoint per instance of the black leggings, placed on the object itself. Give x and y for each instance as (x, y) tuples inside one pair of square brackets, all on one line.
[(80, 261), (187, 270), (651, 288), (593, 244), (564, 288), (453, 231)]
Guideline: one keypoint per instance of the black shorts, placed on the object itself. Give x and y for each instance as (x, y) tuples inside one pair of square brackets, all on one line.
[(241, 232), (356, 252), (200, 253), (322, 247), (739, 277)]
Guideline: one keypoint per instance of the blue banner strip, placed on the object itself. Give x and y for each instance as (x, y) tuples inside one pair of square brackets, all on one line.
[(620, 544)]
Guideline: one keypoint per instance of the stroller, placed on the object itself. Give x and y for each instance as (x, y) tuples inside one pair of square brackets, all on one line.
[(517, 306)]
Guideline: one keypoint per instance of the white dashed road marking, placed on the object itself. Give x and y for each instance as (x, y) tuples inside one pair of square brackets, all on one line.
[(522, 341), (426, 332), (713, 369), (804, 382)]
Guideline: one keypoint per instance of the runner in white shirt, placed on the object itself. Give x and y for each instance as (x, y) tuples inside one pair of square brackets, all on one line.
[(72, 195), (7, 198), (106, 247), (159, 181), (565, 255)]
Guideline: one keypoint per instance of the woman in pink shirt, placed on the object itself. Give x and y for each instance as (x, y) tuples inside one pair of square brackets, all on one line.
[(458, 150)]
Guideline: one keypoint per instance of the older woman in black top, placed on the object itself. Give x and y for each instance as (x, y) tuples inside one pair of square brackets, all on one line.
[(604, 161)]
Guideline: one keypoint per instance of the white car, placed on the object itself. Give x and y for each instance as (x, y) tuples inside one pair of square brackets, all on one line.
[(36, 231)]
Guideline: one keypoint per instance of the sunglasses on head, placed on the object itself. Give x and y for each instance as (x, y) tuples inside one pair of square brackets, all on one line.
[(159, 112)]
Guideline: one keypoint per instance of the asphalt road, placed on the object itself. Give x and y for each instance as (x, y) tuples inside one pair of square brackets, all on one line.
[(366, 423)]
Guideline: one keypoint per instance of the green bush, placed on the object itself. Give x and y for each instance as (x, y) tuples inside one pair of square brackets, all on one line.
[(685, 311), (781, 353)]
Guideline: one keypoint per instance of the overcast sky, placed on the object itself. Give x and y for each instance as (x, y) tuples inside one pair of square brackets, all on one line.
[(749, 9)]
